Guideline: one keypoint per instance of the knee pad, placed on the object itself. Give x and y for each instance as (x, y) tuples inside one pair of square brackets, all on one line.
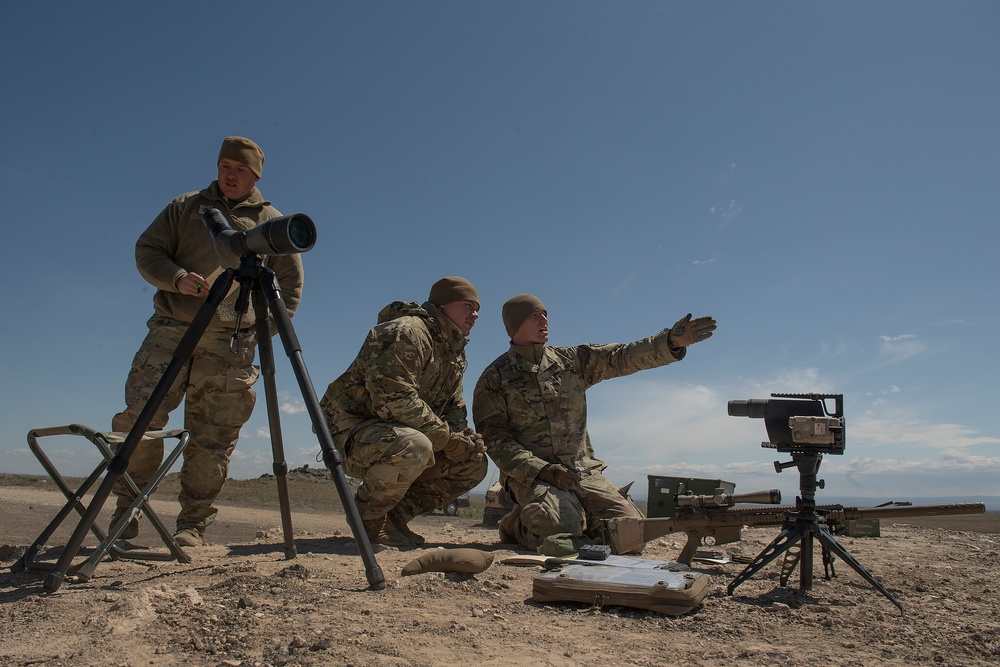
[(548, 516)]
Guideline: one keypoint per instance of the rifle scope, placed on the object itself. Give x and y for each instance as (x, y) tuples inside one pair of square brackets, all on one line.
[(722, 499)]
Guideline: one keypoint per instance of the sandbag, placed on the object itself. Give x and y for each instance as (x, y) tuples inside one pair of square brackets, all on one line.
[(464, 560)]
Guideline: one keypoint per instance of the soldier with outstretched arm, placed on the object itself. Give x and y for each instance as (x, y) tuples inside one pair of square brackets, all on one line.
[(530, 406)]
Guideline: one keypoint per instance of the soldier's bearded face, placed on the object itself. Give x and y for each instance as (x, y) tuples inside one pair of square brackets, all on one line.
[(463, 313), (533, 330)]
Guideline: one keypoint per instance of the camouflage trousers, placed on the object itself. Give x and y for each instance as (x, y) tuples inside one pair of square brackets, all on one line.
[(215, 385), (400, 472), (544, 510)]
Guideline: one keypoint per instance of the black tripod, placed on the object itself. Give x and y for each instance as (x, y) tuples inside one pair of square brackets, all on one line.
[(261, 283), (803, 525)]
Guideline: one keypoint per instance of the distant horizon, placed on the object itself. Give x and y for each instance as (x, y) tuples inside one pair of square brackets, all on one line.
[(992, 502)]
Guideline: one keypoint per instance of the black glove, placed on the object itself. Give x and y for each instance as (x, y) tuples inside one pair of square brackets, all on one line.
[(688, 332), (559, 476)]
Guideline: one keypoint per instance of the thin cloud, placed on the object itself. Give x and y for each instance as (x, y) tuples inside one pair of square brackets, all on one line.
[(727, 213), (906, 428), (895, 349), (292, 407), (950, 461), (625, 283), (247, 461), (254, 432)]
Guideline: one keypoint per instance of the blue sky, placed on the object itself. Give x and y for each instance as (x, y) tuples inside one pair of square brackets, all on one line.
[(819, 177)]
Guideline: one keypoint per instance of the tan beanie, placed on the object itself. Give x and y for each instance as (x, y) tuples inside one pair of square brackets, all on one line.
[(451, 289), (519, 308), (243, 151)]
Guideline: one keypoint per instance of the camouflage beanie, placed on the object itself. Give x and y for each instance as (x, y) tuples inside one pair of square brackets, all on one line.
[(519, 308), (451, 289), (244, 151)]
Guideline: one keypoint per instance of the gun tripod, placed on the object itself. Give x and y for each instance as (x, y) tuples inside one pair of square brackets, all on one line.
[(802, 525), (259, 282)]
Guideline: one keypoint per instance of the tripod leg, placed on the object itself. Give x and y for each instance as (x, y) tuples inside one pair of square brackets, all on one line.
[(331, 457), (119, 464), (266, 351), (830, 542), (787, 538), (806, 571)]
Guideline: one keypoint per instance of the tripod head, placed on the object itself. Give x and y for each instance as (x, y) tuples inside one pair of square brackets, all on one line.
[(287, 235)]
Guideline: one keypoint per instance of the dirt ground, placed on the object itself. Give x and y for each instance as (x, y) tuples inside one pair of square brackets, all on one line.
[(241, 602)]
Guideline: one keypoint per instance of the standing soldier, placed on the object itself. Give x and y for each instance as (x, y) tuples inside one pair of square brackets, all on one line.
[(530, 405), (398, 417), (176, 255)]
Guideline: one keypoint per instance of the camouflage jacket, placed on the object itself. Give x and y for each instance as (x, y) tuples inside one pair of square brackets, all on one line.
[(409, 371), (533, 414), (177, 242)]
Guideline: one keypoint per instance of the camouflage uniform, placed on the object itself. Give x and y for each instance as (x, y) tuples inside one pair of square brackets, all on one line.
[(530, 405), (215, 382), (393, 409)]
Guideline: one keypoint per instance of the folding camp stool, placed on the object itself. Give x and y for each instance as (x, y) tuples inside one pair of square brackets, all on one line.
[(104, 442)]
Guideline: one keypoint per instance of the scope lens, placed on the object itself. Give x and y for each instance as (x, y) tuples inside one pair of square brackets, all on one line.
[(301, 233)]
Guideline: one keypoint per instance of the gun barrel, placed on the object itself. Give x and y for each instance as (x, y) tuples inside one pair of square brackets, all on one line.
[(901, 511), (769, 497)]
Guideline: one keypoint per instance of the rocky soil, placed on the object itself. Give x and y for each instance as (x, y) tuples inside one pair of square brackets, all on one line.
[(241, 602)]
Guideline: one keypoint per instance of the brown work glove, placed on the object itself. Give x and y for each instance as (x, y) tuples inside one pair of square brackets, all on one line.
[(688, 332), (559, 476), (478, 442), (464, 445)]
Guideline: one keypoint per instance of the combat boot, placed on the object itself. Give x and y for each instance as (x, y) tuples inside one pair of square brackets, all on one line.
[(189, 537), (373, 527), (391, 537), (397, 520), (508, 527), (380, 532), (131, 530)]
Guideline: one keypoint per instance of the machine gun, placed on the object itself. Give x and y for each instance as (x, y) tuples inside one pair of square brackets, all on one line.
[(710, 517)]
